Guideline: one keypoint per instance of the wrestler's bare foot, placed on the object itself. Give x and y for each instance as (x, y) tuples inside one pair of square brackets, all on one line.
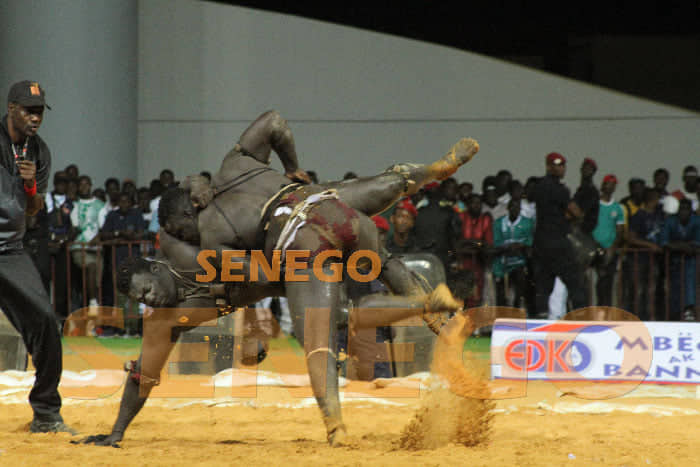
[(338, 437), (457, 330), (461, 153), (417, 175), (438, 304)]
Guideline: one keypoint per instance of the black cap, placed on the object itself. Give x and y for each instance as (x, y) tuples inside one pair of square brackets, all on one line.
[(27, 94)]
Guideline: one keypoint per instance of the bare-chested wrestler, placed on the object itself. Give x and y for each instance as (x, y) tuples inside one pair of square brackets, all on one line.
[(170, 282), (249, 206)]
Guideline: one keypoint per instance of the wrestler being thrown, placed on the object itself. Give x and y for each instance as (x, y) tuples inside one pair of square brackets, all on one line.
[(249, 206)]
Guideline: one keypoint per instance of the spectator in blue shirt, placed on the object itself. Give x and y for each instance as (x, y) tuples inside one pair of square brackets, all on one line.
[(681, 235), (122, 225), (645, 233)]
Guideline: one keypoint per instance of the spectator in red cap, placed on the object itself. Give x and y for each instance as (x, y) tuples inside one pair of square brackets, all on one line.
[(403, 219), (553, 253), (608, 234), (557, 159)]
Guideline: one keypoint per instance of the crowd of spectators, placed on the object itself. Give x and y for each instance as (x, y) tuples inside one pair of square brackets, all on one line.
[(640, 253), (84, 232), (643, 255)]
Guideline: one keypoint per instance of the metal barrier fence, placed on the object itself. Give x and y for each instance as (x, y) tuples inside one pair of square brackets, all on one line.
[(649, 284), (646, 282), (144, 247)]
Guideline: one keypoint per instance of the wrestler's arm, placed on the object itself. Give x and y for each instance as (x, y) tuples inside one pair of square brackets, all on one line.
[(181, 255)]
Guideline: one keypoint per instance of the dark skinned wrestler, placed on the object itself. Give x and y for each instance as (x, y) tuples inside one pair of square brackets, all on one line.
[(240, 191), (171, 283), (244, 185), (234, 196)]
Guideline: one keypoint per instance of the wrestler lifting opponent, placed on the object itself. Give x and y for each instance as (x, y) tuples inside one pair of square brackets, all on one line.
[(246, 190)]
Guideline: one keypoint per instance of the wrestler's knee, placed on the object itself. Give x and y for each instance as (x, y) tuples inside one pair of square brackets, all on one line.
[(274, 118), (277, 125)]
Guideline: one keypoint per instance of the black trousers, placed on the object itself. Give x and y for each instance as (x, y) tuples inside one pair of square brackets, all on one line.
[(606, 280), (550, 263), (25, 302), (518, 281), (60, 286)]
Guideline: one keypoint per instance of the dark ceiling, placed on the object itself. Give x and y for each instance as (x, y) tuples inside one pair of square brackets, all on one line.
[(650, 50)]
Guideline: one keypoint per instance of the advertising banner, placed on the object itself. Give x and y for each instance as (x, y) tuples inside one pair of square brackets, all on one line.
[(624, 351)]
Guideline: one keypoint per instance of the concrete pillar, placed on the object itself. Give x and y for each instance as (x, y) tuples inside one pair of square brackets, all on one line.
[(84, 54)]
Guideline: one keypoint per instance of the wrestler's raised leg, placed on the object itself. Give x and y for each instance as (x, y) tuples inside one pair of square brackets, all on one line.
[(373, 195), (376, 310), (418, 175), (401, 281)]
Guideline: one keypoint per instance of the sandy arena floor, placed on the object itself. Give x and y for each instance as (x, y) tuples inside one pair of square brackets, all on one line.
[(652, 426), (201, 435)]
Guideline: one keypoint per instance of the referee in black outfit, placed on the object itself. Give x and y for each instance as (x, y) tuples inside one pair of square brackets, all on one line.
[(553, 253), (25, 164)]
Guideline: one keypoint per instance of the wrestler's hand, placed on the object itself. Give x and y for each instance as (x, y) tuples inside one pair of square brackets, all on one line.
[(201, 191), (101, 440), (298, 175)]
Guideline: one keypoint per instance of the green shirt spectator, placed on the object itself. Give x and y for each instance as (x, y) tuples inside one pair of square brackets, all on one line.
[(507, 232), (610, 215)]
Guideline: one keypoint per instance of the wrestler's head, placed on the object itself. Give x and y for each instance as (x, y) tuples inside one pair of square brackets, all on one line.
[(178, 216), (148, 282)]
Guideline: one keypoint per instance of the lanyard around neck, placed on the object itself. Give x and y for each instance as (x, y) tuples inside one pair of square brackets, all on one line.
[(24, 150)]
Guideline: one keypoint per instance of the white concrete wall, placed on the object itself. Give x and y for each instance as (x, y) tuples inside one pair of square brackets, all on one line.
[(360, 101)]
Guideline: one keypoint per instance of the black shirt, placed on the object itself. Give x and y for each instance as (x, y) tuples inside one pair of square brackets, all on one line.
[(588, 199), (395, 248), (13, 200), (552, 199), (436, 230)]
